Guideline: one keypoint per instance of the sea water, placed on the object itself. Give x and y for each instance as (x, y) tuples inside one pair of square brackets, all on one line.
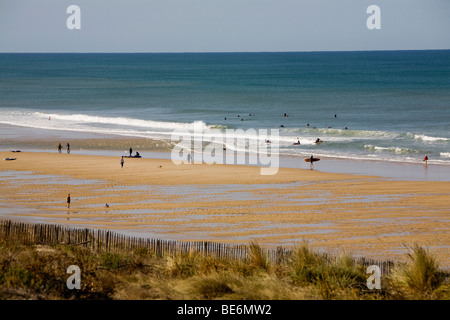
[(378, 105)]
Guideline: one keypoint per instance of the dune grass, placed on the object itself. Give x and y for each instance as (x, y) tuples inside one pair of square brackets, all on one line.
[(419, 278), (331, 277), (39, 272)]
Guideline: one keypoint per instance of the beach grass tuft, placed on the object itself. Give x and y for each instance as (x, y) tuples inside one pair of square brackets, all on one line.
[(183, 265), (258, 257), (419, 277), (332, 277)]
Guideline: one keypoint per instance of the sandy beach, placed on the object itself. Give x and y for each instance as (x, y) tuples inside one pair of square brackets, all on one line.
[(364, 215)]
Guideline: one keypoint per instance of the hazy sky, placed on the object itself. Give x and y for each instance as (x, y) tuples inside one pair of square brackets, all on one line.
[(222, 25)]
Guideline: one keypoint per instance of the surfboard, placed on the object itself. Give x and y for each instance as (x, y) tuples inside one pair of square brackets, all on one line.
[(313, 160), (296, 143)]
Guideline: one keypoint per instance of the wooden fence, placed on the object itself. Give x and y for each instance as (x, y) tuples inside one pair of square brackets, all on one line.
[(109, 241)]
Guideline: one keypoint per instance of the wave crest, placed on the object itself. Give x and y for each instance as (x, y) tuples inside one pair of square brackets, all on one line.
[(426, 138), (121, 121), (398, 150)]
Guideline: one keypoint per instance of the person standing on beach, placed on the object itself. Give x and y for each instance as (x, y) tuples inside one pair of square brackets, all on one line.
[(121, 162), (59, 147), (426, 160), (68, 147), (189, 157), (68, 200), (311, 162), (131, 151)]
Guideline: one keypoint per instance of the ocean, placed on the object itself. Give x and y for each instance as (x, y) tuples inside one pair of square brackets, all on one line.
[(379, 105)]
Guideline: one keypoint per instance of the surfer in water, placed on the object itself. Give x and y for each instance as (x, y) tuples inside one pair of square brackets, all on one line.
[(426, 160)]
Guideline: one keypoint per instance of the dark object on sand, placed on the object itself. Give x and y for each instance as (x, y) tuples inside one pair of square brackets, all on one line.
[(16, 151), (133, 156), (9, 159)]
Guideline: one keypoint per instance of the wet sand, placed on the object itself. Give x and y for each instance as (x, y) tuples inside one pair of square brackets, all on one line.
[(364, 215)]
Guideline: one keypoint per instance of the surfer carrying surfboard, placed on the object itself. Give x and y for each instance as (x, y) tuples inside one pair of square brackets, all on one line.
[(311, 161)]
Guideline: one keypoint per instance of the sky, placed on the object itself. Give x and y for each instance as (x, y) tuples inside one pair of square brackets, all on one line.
[(222, 25)]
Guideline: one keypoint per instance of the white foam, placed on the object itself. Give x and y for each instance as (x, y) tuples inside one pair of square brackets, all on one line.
[(390, 149), (427, 138), (121, 121), (331, 133)]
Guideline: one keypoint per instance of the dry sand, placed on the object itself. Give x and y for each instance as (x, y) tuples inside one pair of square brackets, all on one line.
[(364, 215)]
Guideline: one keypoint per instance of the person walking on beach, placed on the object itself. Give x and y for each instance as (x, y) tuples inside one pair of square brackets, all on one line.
[(311, 162), (189, 157), (121, 162), (68, 147), (131, 151), (68, 200), (59, 147)]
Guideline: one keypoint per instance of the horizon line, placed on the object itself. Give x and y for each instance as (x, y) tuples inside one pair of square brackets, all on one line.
[(208, 52)]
